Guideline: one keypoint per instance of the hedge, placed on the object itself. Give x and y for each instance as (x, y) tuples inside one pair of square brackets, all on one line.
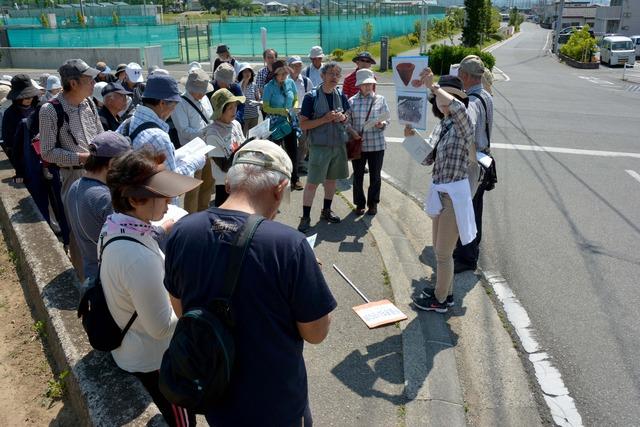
[(442, 56)]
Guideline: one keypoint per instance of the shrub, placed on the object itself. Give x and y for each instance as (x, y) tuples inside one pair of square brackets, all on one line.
[(441, 57), (497, 37), (337, 54), (580, 46), (413, 40), (366, 37)]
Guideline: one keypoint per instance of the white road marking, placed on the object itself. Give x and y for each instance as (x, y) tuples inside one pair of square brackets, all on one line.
[(596, 80), (547, 44), (520, 147), (556, 395), (635, 175), (506, 78)]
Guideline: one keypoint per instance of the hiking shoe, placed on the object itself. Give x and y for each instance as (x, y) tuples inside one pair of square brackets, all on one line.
[(297, 186), (428, 293), (372, 210), (305, 224), (359, 211), (430, 304), (328, 215)]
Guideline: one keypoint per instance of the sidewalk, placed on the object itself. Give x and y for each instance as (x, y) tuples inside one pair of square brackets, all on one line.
[(461, 367)]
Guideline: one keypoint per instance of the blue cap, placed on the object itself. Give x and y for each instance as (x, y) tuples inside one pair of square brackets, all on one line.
[(162, 87)]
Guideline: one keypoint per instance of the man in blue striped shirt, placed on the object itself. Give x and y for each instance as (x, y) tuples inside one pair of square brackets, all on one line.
[(160, 97)]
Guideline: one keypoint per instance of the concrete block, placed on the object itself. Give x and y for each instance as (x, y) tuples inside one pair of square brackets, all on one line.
[(52, 58), (100, 393)]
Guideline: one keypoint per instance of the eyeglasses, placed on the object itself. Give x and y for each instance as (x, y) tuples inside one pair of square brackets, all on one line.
[(333, 74)]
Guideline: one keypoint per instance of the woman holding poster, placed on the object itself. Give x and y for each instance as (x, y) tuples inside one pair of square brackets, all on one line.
[(369, 117), (449, 199)]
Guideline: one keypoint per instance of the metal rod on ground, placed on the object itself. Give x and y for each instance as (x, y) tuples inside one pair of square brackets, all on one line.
[(335, 267)]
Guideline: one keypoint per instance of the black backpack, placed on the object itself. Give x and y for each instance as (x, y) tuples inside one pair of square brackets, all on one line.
[(196, 368), (102, 330), (490, 174)]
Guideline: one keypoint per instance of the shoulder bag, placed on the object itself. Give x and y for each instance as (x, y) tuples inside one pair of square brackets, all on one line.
[(354, 146)]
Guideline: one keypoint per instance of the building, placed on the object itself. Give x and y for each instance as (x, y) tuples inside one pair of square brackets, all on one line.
[(621, 17), (575, 13)]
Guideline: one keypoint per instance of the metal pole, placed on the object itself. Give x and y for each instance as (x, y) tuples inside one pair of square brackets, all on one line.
[(558, 27), (186, 42), (351, 284)]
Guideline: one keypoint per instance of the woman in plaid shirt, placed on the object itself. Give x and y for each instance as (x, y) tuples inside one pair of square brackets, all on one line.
[(449, 202), (366, 105)]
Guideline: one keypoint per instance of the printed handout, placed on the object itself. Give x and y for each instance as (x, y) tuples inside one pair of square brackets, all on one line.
[(406, 73), (370, 124), (260, 131), (173, 212), (417, 147), (194, 148)]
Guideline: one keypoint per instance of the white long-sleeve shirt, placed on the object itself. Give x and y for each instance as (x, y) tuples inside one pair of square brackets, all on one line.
[(133, 280), (187, 120)]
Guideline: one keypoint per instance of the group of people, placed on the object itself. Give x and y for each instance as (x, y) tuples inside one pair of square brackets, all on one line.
[(110, 154)]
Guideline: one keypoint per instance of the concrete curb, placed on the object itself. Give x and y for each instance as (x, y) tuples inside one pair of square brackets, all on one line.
[(100, 393)]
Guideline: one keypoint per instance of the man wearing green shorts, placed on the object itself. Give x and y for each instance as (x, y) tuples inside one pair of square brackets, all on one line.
[(323, 116)]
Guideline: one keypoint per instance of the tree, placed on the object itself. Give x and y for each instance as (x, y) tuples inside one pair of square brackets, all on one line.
[(473, 26), (366, 38), (580, 46), (457, 15), (227, 5), (515, 19)]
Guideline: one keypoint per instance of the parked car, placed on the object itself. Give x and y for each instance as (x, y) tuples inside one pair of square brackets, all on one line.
[(617, 50), (636, 42)]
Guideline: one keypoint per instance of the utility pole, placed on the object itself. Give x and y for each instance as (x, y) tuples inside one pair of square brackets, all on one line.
[(558, 27)]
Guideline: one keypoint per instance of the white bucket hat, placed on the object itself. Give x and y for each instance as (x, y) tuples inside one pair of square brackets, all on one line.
[(316, 52), (53, 82), (364, 76)]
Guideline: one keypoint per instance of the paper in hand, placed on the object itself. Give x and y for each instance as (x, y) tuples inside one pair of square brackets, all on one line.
[(173, 212), (194, 148), (312, 240), (483, 159), (417, 147), (371, 123), (260, 131)]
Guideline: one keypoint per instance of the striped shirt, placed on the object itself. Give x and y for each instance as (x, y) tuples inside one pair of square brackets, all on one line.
[(159, 140), (453, 135), (372, 139), (250, 91), (83, 125)]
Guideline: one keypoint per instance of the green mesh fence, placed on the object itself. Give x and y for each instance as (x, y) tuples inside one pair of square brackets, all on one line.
[(120, 36), (295, 35)]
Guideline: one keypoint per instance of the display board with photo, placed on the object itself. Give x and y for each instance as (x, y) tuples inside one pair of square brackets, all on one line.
[(411, 94)]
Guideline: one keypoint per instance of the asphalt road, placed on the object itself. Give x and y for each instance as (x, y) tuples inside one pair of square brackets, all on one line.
[(563, 227)]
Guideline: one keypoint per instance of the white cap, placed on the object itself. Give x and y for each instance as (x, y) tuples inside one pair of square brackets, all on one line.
[(294, 60), (134, 72), (316, 52), (364, 76), (97, 91)]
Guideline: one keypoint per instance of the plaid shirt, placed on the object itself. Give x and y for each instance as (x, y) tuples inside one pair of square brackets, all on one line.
[(372, 139), (159, 140), (261, 78), (454, 134), (84, 124)]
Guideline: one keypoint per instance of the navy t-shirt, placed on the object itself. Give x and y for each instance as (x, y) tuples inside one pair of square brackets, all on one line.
[(309, 99), (280, 284)]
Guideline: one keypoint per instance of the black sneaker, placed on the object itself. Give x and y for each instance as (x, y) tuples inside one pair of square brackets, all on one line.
[(430, 304), (328, 215), (305, 224), (427, 293)]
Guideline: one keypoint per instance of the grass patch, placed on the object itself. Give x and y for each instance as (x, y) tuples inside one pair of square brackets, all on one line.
[(386, 278), (402, 414), (40, 328)]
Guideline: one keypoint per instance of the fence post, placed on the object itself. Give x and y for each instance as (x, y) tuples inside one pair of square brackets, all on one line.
[(624, 71), (286, 45), (208, 36), (198, 42), (186, 43)]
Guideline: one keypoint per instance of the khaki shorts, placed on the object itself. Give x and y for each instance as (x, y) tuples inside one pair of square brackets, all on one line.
[(327, 163)]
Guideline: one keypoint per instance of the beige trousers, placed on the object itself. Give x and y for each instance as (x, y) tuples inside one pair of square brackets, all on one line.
[(199, 198), (445, 236)]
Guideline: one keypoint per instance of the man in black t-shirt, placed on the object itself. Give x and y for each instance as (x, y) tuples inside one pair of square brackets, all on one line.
[(280, 301)]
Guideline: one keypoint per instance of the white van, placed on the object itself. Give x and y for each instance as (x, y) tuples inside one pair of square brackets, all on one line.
[(617, 50), (636, 42)]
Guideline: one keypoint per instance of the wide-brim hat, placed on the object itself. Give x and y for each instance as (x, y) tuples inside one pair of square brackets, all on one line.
[(4, 91), (316, 52), (222, 48), (22, 88), (198, 81), (97, 91), (161, 184), (221, 98), (364, 56), (452, 85), (364, 76)]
